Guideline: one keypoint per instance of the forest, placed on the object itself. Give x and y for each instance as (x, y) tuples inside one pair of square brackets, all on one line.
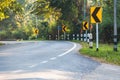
[(20, 18)]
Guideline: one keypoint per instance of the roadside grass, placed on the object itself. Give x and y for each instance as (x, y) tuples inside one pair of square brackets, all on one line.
[(1, 44), (105, 53)]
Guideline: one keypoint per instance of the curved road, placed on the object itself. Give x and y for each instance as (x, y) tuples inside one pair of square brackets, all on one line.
[(51, 60)]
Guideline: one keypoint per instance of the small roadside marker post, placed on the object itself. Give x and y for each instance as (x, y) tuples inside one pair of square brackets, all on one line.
[(49, 37), (68, 37), (81, 37), (77, 36), (91, 37), (90, 43), (88, 39), (73, 36), (56, 37), (84, 37)]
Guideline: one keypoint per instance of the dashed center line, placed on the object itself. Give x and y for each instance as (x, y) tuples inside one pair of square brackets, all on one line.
[(43, 62), (17, 71), (53, 58), (34, 65)]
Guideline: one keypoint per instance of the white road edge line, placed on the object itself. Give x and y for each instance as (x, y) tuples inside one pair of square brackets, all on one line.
[(68, 50)]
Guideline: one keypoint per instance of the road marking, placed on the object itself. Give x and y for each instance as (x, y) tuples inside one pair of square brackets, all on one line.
[(53, 58), (17, 71), (68, 51), (43, 62), (33, 65)]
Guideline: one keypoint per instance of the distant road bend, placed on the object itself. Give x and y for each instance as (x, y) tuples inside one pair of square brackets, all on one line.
[(51, 60)]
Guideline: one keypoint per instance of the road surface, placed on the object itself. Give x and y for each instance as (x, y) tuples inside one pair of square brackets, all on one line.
[(51, 60)]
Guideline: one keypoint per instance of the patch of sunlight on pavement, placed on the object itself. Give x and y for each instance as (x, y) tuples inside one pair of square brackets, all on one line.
[(48, 74), (5, 54)]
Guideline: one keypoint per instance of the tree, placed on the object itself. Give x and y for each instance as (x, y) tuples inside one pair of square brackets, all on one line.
[(45, 13), (71, 11), (4, 8)]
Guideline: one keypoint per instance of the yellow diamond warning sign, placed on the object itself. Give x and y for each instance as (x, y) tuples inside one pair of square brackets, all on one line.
[(85, 25), (36, 31), (96, 14)]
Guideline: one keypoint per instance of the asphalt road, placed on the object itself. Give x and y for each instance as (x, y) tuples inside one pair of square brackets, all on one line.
[(51, 60)]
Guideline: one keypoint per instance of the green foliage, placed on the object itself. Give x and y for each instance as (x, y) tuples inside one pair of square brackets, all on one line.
[(46, 15), (3, 35), (6, 6), (71, 11), (1, 44), (43, 8), (18, 17), (68, 8)]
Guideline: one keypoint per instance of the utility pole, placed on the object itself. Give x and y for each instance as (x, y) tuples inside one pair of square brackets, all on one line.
[(85, 16), (115, 26), (84, 9)]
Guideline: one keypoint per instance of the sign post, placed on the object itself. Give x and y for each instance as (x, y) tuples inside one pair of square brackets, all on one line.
[(97, 37), (58, 32), (96, 17), (64, 35)]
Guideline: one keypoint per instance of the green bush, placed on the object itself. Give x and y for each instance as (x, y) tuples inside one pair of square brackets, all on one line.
[(32, 37), (3, 35)]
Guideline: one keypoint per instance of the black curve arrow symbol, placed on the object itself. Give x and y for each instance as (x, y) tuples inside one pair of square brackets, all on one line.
[(64, 28), (95, 14), (85, 25)]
